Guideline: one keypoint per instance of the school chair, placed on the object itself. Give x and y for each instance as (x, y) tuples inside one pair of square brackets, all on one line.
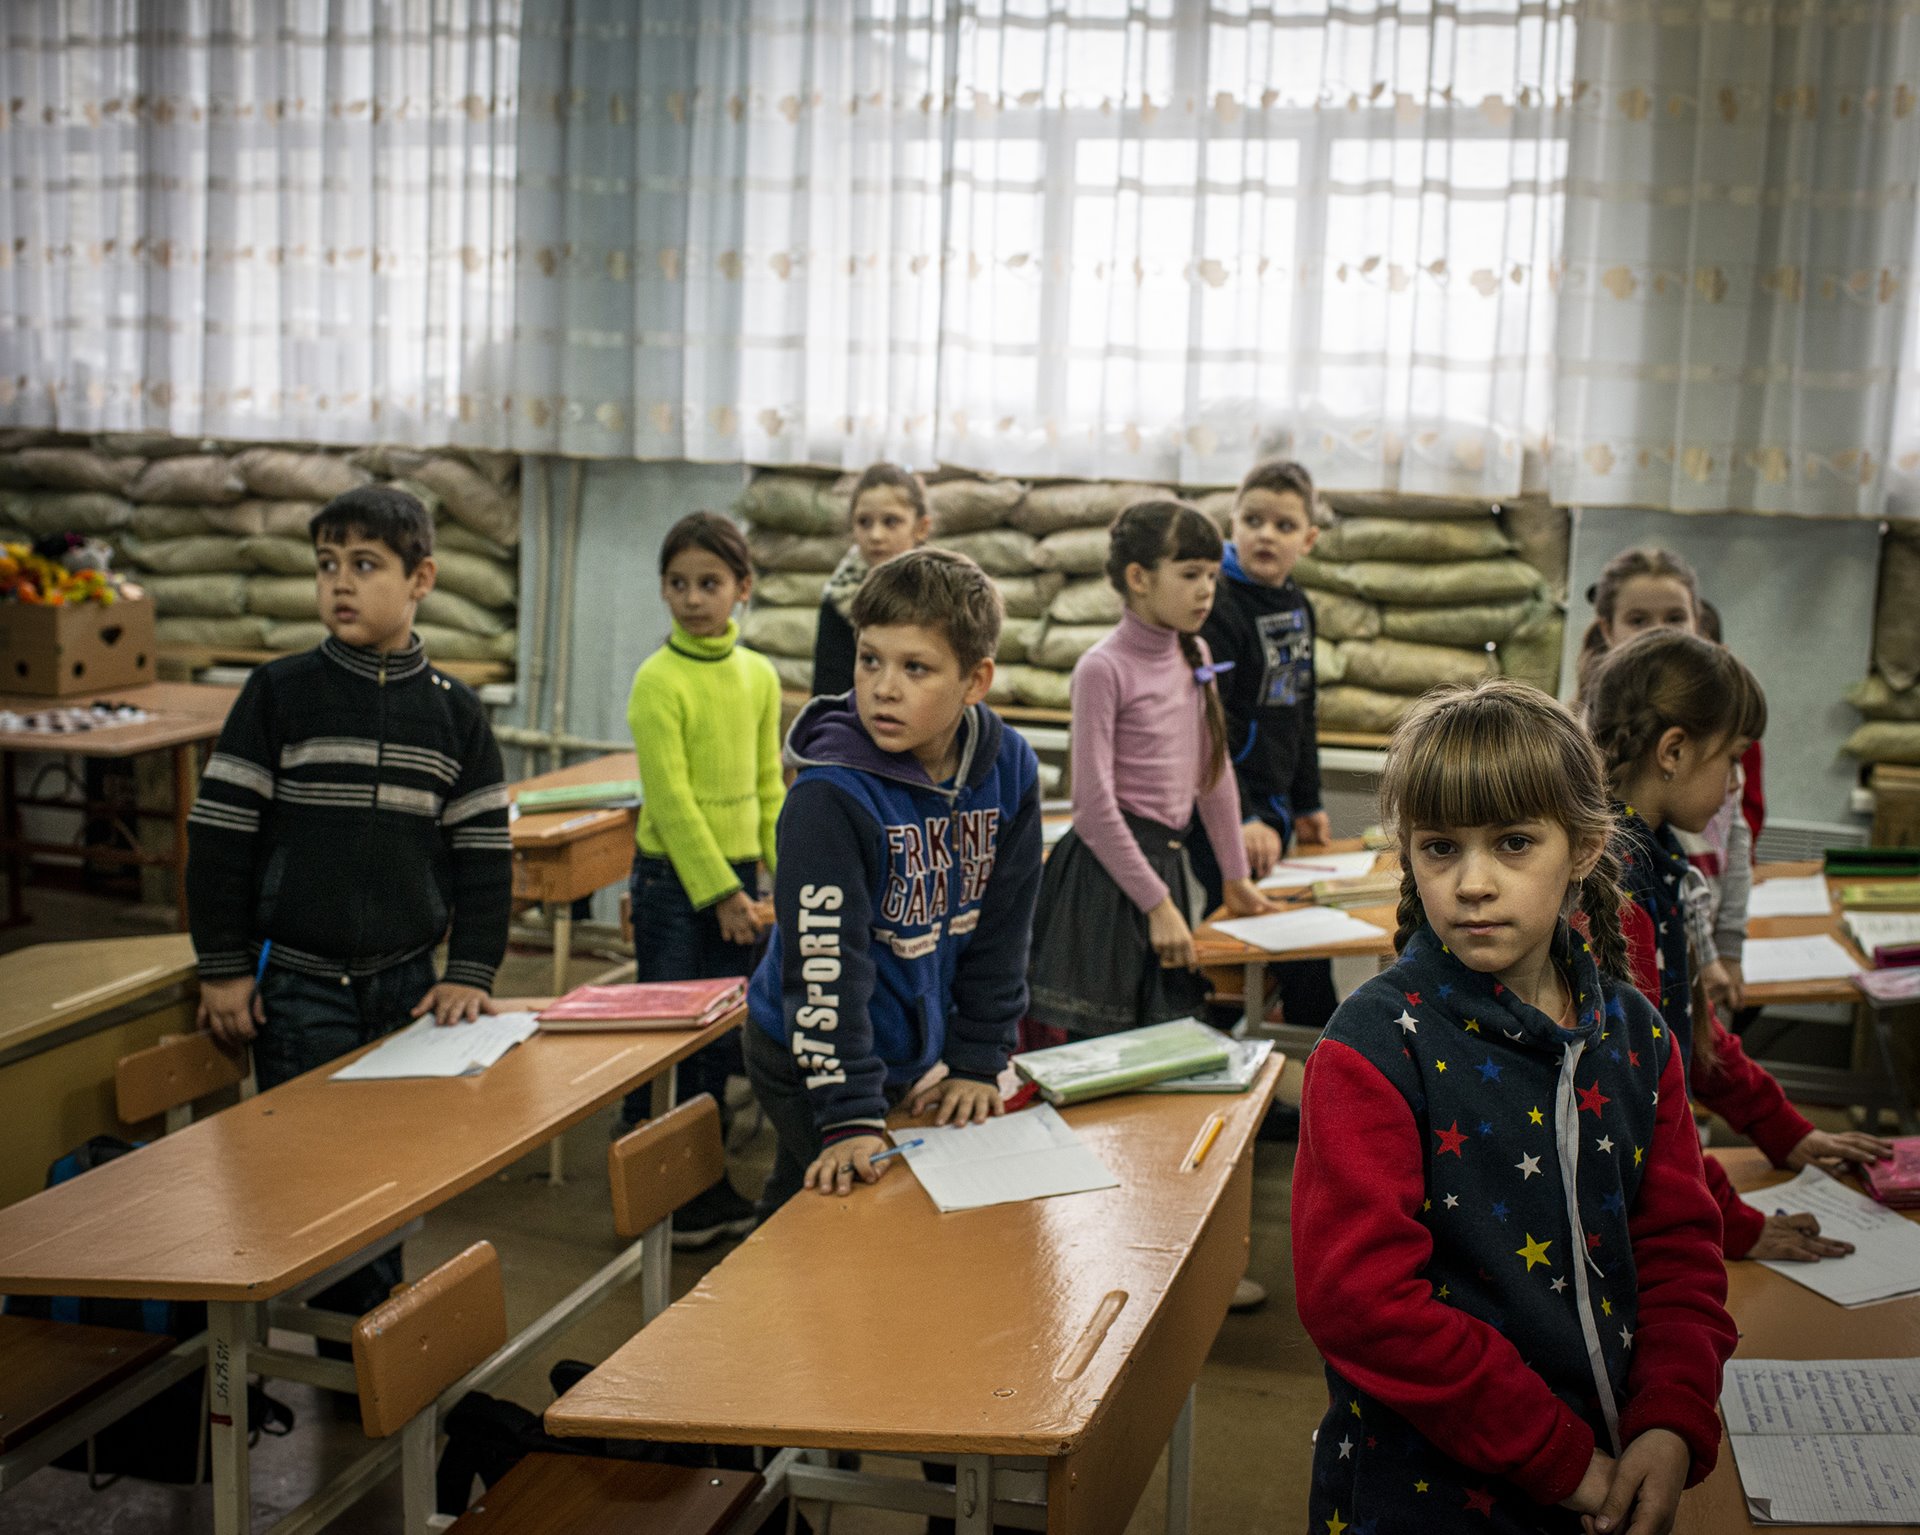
[(413, 1350), (169, 1077)]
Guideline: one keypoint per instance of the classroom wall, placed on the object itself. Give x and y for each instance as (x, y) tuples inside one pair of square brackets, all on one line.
[(1796, 600)]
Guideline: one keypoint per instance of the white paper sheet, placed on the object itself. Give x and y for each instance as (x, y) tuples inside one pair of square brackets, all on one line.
[(1829, 1478), (1030, 1155), (1821, 1396), (1800, 896), (1817, 958), (1052, 831), (424, 1049), (1873, 929), (1886, 1257), (1308, 868), (1308, 928)]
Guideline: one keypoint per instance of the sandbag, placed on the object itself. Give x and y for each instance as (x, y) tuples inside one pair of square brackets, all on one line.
[(1091, 600), (792, 503), (83, 511), (1393, 503), (186, 556), (1329, 661), (149, 445), (501, 469), (1543, 535), (1475, 624), (1038, 688), (277, 556), (14, 438), (1000, 691), (773, 550), (1896, 621), (1885, 741), (201, 596), (473, 499), (1532, 652), (1016, 638), (967, 505), (156, 521), (1877, 701), (1392, 538), (431, 501), (449, 610), (1217, 506), (266, 519), (1360, 709), (796, 672), (780, 631), (1028, 596), (195, 479), (243, 633), (287, 474), (1402, 666), (1399, 582), (1079, 504), (1059, 646), (477, 576), (66, 468), (999, 552), (444, 644), (1073, 552), (388, 460), (790, 588), (1343, 618), (286, 599), (448, 534)]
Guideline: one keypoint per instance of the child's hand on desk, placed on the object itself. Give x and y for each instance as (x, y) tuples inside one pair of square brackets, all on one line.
[(1243, 899), (451, 1002), (1588, 1497), (1315, 829), (958, 1101), (1648, 1479), (833, 1171), (231, 1011), (1834, 1150), (1795, 1239), (736, 918), (1262, 843)]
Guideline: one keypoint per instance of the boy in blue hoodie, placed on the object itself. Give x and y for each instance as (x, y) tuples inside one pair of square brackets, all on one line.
[(908, 867)]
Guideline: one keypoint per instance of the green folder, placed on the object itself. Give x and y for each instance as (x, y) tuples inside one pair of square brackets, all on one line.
[(580, 796), (1119, 1063)]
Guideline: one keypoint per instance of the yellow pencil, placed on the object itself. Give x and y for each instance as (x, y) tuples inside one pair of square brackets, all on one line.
[(1203, 1142)]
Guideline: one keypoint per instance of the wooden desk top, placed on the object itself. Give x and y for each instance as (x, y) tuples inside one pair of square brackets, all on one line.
[(246, 1204), (555, 828), (50, 985), (1779, 993), (183, 712), (1779, 1319), (875, 1322), (1216, 948)]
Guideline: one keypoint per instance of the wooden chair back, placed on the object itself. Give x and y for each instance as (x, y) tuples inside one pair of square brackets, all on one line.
[(173, 1074), (660, 1166), (423, 1338)]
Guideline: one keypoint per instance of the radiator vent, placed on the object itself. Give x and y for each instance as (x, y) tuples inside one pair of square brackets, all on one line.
[(1797, 841)]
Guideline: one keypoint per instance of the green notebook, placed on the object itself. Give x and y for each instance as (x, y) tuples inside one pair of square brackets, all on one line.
[(580, 796), (1881, 895), (1119, 1063)]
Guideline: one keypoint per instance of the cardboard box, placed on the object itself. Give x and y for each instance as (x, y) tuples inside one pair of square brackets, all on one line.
[(88, 648), (1896, 805)]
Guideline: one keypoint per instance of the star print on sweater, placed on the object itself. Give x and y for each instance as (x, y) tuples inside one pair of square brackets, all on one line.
[(1473, 1304), (1653, 867)]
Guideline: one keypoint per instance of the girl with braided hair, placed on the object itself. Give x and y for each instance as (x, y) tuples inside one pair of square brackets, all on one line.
[(1672, 715), (1503, 1243)]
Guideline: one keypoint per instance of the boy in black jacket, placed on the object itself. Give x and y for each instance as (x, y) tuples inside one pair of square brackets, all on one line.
[(1262, 623), (353, 809)]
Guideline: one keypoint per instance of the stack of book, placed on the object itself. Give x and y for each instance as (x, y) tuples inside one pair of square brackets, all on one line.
[(645, 1005), (1896, 1181), (1881, 895), (1362, 890), (1162, 1055), (615, 794)]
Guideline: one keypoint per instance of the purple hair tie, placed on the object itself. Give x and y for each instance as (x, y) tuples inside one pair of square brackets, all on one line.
[(1205, 674)]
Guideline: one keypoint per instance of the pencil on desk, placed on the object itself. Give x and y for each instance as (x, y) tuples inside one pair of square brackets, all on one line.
[(1203, 1142)]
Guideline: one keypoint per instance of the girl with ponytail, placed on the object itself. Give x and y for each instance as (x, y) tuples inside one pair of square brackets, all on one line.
[(1673, 714), (1113, 941), (1503, 1245)]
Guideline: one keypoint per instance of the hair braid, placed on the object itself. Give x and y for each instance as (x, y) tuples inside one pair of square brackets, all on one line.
[(1216, 715), (1602, 899), (1411, 913)]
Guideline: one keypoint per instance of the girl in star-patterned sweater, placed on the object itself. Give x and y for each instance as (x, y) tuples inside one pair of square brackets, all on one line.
[(1674, 715), (1503, 1244)]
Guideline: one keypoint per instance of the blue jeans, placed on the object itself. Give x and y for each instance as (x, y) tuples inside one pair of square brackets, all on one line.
[(312, 1020), (673, 942)]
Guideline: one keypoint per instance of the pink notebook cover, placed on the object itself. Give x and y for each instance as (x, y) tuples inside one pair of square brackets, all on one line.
[(1896, 1181), (656, 1004)]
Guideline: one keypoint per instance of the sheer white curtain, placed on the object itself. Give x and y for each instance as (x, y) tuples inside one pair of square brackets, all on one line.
[(258, 218)]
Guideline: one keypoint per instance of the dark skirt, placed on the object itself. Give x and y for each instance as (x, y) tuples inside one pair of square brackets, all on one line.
[(1093, 969)]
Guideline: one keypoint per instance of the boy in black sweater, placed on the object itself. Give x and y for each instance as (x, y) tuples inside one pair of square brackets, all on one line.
[(353, 809)]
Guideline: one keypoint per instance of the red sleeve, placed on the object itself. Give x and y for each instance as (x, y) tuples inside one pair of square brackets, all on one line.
[(1740, 1223), (1684, 1334), (1753, 796), (1745, 1095), (1360, 1256), (1643, 954)]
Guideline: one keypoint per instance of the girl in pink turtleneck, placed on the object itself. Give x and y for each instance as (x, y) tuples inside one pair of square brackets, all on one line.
[(1113, 940)]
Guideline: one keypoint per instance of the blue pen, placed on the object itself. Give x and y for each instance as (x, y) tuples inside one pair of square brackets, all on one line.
[(260, 970), (894, 1151)]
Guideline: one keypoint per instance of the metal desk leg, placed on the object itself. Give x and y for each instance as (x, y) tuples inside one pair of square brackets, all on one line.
[(973, 1495), (656, 1245), (230, 1333), (1253, 984), (560, 913), (418, 1441), (1180, 1470)]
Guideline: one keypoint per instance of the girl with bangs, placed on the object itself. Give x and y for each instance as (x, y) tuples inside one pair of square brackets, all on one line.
[(1503, 1244), (1674, 715)]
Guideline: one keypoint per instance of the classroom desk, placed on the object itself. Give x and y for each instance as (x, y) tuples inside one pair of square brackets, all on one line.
[(561, 856), (259, 1206), (68, 1012), (185, 716), (1063, 1335), (1779, 1319)]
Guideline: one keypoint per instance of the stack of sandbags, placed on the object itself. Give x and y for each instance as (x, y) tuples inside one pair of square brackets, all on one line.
[(1890, 695), (218, 532)]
